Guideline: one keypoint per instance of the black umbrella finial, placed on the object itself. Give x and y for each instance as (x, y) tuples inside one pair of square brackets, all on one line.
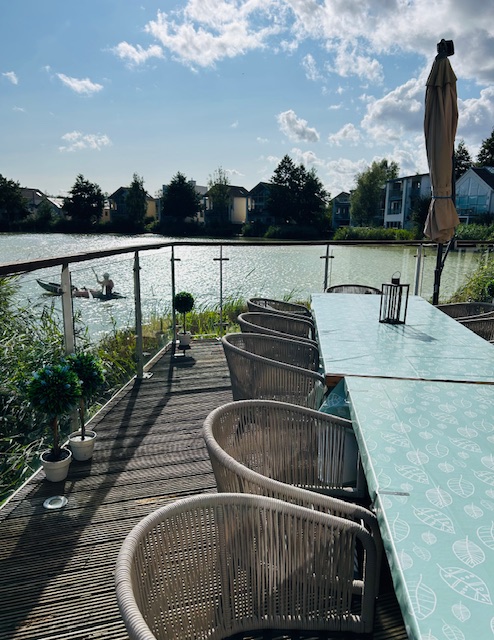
[(445, 48)]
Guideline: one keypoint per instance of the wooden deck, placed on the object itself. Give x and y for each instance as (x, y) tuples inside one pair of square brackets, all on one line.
[(57, 567)]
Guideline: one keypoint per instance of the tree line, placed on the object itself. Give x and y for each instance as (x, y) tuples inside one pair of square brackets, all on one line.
[(297, 204)]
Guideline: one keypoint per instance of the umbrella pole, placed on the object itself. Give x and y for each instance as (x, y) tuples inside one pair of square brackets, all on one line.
[(437, 274)]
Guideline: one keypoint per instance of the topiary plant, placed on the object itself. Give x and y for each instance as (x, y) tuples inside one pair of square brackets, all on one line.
[(183, 302), (89, 370), (54, 391)]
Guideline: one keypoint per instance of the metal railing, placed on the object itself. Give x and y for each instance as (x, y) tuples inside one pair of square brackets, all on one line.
[(66, 261)]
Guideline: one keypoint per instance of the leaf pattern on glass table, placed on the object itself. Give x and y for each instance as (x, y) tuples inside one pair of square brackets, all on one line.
[(468, 552), (405, 560), (423, 599), (486, 535), (435, 519), (429, 538), (460, 486), (467, 432), (488, 461), (466, 583), (485, 476), (420, 421), (473, 511), (444, 417), (417, 457), (412, 473), (461, 612), (437, 450), (467, 445), (446, 467), (422, 553), (400, 529), (438, 497), (452, 633), (484, 426), (397, 439), (448, 408)]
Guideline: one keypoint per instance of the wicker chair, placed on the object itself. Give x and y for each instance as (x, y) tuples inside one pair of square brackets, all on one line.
[(277, 324), (466, 310), (353, 288), (213, 565), (268, 305), (482, 326), (283, 450), (260, 368)]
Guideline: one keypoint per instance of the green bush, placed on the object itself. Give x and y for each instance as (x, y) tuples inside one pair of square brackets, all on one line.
[(372, 233), (479, 287)]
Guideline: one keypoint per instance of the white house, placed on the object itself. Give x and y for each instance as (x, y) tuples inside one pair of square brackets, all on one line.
[(475, 194), (402, 195)]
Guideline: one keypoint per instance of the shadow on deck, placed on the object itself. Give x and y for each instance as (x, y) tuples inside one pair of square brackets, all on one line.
[(57, 567)]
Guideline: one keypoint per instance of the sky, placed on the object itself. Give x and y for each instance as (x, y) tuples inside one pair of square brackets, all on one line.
[(113, 88)]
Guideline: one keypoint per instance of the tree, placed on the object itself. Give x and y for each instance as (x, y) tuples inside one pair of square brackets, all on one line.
[(463, 159), (85, 204), (366, 201), (136, 204), (485, 157), (296, 195), (13, 209), (219, 198), (420, 209), (180, 200)]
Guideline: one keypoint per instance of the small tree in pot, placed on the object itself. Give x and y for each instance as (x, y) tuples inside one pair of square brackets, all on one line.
[(54, 391), (183, 302)]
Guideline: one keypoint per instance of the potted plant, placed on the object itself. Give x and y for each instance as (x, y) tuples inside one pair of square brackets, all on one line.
[(183, 302), (89, 370), (54, 391)]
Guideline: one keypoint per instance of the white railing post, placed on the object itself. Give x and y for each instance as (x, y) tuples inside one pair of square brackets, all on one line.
[(418, 271), (138, 316), (221, 260), (174, 315), (67, 310)]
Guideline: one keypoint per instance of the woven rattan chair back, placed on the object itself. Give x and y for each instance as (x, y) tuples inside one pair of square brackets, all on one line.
[(270, 305), (482, 326), (353, 288), (466, 310), (210, 566), (257, 376), (277, 324)]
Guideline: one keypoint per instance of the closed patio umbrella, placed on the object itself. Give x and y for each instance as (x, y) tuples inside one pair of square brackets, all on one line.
[(440, 122)]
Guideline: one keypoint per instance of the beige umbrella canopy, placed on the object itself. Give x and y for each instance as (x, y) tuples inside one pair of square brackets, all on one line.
[(440, 121)]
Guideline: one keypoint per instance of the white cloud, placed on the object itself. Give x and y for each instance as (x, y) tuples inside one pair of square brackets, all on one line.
[(311, 70), (135, 56), (77, 141), (296, 128), (348, 134), (20, 109), (234, 125), (82, 86), (262, 140), (11, 77), (476, 115)]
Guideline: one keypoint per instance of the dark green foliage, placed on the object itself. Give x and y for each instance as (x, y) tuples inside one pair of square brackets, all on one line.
[(420, 210), (219, 198), (367, 199), (479, 287), (183, 302), (180, 201), (84, 205), (463, 159), (485, 156), (89, 370), (13, 209), (372, 233), (297, 196), (135, 205)]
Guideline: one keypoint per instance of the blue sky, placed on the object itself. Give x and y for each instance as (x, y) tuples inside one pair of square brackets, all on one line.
[(109, 88)]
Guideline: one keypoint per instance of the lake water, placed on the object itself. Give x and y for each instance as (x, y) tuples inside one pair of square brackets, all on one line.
[(247, 271)]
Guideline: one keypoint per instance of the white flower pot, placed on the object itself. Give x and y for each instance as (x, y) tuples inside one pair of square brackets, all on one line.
[(82, 449), (56, 471), (184, 339)]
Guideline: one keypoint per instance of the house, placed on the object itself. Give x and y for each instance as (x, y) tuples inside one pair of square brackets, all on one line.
[(117, 205), (340, 216), (402, 196), (258, 204), (475, 194), (238, 205), (34, 197)]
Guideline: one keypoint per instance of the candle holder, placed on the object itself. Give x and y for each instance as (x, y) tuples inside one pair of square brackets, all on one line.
[(394, 301)]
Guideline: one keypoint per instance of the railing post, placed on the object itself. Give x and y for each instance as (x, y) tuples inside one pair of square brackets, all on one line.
[(221, 260), (138, 316), (174, 315), (327, 259), (67, 310), (418, 270)]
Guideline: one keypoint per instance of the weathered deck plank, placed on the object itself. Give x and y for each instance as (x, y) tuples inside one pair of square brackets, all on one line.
[(57, 568)]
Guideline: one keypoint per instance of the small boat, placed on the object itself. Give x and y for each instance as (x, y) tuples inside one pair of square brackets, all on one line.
[(56, 290)]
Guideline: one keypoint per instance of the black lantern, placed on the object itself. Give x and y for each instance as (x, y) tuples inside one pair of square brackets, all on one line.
[(394, 301)]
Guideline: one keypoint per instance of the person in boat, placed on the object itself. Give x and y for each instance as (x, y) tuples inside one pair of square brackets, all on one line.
[(106, 284)]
